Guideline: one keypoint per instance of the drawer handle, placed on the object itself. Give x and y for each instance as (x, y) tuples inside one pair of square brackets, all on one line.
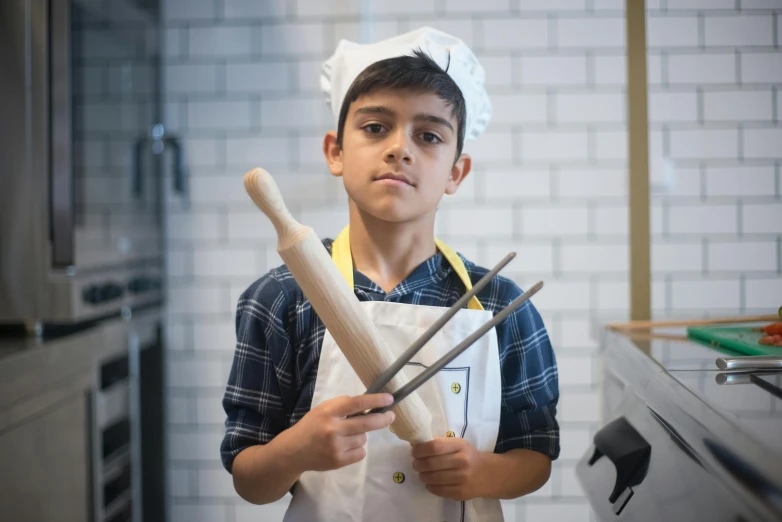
[(627, 450)]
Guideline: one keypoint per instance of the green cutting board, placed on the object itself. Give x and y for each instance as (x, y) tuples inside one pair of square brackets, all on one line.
[(743, 340)]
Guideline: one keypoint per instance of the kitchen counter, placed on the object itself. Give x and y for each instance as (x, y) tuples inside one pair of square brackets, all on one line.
[(45, 431), (35, 375), (72, 415), (709, 441), (12, 345)]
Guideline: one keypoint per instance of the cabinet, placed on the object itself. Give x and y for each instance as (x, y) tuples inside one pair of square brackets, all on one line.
[(82, 425), (48, 453)]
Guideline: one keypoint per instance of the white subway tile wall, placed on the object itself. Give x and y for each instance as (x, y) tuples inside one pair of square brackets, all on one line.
[(549, 182), (716, 165)]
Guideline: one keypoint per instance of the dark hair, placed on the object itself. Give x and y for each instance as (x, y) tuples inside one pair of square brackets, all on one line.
[(419, 73)]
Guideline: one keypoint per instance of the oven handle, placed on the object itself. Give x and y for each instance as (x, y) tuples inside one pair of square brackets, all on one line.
[(627, 450), (136, 178), (179, 171), (159, 141)]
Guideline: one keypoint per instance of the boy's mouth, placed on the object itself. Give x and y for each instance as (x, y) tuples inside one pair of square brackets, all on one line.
[(395, 179)]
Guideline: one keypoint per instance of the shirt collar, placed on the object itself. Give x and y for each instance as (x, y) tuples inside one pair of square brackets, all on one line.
[(429, 272)]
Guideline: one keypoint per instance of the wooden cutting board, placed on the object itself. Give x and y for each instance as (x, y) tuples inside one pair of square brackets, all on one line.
[(740, 339)]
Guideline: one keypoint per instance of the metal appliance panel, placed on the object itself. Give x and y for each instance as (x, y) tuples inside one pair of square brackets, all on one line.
[(675, 486), (23, 136), (81, 210), (715, 451)]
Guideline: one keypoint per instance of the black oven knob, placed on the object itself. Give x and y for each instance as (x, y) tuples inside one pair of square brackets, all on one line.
[(138, 285), (91, 294), (96, 294), (111, 291)]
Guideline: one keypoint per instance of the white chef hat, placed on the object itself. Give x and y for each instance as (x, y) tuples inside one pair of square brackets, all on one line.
[(350, 59)]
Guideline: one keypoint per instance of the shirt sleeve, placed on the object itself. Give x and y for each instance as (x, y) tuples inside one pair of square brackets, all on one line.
[(260, 376), (530, 382)]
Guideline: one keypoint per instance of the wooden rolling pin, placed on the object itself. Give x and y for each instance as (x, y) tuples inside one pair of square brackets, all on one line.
[(336, 304)]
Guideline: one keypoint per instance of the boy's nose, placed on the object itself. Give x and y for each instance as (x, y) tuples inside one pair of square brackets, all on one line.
[(399, 150)]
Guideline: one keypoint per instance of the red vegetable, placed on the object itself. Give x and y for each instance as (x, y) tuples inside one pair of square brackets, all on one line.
[(773, 329), (771, 340)]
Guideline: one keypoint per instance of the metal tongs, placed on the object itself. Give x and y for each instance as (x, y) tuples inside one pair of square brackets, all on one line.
[(428, 373)]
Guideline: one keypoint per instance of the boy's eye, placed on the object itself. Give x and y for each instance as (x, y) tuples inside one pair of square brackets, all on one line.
[(373, 128), (430, 137)]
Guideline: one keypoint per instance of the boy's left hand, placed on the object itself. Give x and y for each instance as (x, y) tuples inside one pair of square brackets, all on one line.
[(450, 467)]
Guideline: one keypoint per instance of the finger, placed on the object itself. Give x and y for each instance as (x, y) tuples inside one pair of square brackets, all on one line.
[(352, 442), (439, 446), (366, 423), (450, 492), (438, 463), (441, 478), (425, 449), (360, 403), (352, 456)]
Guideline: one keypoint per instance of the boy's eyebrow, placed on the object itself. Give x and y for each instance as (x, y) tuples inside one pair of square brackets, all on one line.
[(431, 118), (375, 109), (381, 109)]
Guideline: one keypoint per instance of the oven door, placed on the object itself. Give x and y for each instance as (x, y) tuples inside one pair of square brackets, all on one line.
[(639, 468), (115, 112)]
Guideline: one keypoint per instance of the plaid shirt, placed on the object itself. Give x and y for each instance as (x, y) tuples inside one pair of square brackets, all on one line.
[(278, 341)]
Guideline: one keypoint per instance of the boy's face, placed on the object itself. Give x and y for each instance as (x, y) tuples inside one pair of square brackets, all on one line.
[(397, 154)]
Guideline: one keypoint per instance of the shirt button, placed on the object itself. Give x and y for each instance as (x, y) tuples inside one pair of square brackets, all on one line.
[(399, 477), (456, 387), (450, 434)]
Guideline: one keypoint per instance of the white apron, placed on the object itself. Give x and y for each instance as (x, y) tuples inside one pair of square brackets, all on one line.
[(463, 398)]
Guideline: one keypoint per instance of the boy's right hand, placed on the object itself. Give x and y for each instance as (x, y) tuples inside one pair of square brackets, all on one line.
[(326, 439)]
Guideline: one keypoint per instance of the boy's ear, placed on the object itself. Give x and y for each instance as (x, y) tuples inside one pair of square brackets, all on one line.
[(333, 153), (459, 171)]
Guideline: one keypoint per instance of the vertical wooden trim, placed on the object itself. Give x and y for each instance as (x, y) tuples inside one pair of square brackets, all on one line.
[(638, 161)]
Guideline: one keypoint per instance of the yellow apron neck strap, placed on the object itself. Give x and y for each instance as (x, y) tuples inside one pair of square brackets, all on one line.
[(461, 271), (340, 254)]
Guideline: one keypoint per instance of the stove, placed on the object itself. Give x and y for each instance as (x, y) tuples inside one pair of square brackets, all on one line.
[(681, 439)]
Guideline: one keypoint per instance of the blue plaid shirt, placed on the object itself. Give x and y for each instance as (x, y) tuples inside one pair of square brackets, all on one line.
[(278, 341)]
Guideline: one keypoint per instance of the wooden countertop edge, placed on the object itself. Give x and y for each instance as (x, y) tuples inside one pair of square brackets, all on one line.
[(648, 325)]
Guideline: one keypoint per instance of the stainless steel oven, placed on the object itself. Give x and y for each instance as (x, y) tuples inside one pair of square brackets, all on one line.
[(681, 440), (83, 177)]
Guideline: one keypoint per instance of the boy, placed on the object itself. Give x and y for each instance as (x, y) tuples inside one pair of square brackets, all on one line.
[(403, 109)]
